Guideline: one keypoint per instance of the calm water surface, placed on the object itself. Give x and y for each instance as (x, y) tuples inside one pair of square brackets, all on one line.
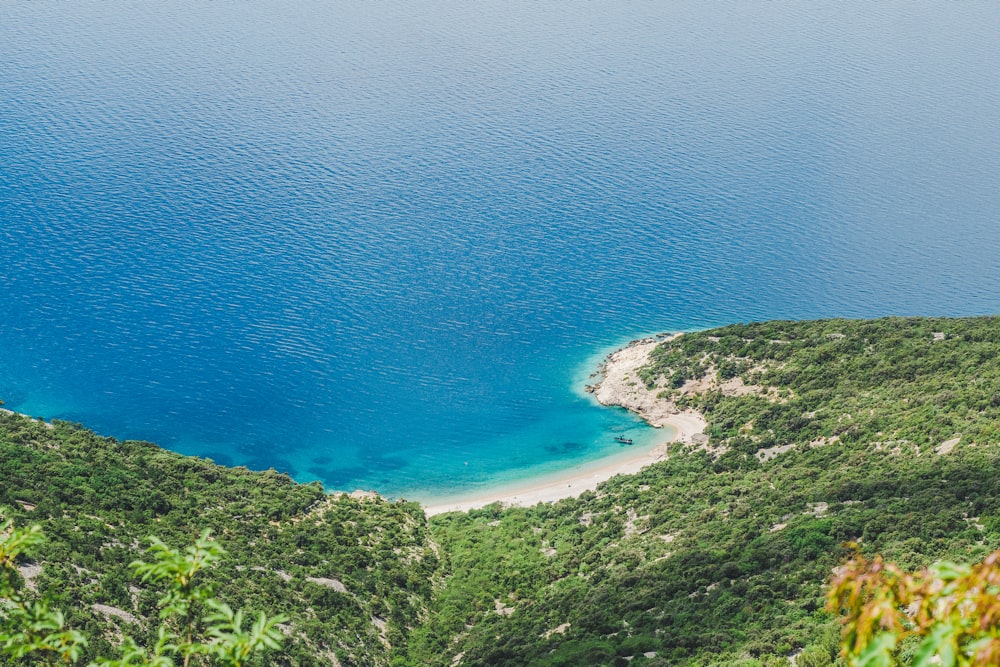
[(383, 244)]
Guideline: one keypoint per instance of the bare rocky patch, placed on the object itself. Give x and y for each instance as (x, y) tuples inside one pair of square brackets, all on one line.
[(620, 385), (108, 611), (335, 584), (947, 446)]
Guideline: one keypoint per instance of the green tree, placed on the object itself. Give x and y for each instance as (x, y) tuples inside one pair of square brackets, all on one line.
[(949, 612), (196, 627), (27, 626)]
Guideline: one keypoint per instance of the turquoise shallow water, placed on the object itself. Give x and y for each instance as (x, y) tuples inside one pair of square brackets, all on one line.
[(380, 245)]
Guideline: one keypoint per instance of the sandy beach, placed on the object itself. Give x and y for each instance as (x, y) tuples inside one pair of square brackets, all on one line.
[(617, 385)]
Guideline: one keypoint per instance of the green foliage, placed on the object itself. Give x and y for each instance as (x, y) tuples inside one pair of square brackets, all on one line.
[(31, 629), (951, 612), (233, 644), (27, 626), (883, 432), (336, 566), (722, 559), (178, 569)]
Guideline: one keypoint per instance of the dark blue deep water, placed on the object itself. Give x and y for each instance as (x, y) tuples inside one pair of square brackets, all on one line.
[(382, 244)]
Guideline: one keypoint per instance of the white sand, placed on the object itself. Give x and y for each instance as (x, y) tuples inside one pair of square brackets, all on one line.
[(619, 386)]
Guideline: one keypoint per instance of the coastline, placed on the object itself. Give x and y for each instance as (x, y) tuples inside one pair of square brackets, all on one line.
[(616, 386), (5, 411)]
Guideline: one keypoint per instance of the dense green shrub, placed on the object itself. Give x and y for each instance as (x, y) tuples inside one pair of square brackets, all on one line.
[(705, 558)]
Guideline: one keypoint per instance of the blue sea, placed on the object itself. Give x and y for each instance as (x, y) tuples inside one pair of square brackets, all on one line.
[(384, 244)]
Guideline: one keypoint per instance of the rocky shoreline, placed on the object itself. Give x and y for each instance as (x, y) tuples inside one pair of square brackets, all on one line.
[(619, 384)]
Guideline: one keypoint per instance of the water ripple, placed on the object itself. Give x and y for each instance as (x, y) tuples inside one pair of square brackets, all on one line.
[(373, 245)]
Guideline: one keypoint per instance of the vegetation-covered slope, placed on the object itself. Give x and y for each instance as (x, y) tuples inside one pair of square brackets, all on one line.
[(715, 558), (882, 432), (352, 574)]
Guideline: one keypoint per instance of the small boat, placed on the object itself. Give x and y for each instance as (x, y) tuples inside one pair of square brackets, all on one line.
[(622, 439)]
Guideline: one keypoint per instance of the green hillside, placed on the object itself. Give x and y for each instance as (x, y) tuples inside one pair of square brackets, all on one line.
[(352, 574), (882, 432)]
